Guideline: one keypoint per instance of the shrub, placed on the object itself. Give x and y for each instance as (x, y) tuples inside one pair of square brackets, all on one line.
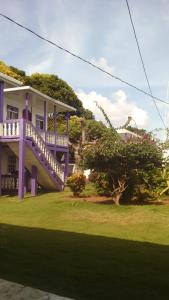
[(77, 183), (101, 182), (124, 166)]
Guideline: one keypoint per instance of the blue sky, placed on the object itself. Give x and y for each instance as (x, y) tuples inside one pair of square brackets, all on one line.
[(100, 31)]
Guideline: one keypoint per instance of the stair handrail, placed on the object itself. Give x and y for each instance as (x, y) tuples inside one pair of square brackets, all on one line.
[(32, 132)]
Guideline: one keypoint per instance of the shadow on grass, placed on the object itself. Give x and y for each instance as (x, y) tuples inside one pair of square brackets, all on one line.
[(109, 201), (83, 266)]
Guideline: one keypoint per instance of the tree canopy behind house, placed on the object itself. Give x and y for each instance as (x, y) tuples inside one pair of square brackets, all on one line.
[(50, 85), (9, 71), (56, 88)]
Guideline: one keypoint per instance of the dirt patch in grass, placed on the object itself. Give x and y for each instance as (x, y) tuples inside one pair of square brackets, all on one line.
[(165, 201), (93, 199), (100, 199), (108, 200)]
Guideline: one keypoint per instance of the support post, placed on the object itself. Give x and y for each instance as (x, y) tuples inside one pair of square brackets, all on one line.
[(1, 120), (55, 129), (45, 119), (21, 160), (1, 100), (67, 123), (0, 169), (25, 181), (66, 160), (26, 105), (34, 181), (25, 187), (66, 154)]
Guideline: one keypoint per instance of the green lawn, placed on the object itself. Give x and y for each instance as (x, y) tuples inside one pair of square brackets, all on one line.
[(84, 250)]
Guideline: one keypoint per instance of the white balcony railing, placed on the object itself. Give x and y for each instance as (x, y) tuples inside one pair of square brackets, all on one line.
[(10, 129), (59, 140)]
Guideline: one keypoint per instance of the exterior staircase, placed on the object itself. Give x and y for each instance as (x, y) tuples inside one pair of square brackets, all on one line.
[(50, 173)]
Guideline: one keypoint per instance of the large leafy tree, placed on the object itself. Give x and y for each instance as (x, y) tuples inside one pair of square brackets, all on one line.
[(9, 71), (58, 89), (50, 85), (83, 132), (126, 165)]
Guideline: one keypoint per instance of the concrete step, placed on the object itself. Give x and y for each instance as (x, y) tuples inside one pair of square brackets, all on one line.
[(15, 291)]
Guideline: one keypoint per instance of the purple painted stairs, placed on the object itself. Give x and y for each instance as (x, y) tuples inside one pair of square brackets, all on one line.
[(50, 173), (57, 182), (44, 156)]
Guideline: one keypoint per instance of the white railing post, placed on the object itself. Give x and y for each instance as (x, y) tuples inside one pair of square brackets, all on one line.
[(17, 128), (4, 129), (9, 128), (1, 129), (13, 128)]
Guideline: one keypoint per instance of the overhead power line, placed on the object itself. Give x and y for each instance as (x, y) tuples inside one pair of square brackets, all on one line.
[(82, 59), (143, 64)]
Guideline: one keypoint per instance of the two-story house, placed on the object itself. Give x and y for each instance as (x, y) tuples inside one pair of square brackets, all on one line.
[(29, 153)]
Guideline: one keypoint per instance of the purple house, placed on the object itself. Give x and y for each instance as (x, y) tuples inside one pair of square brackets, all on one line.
[(30, 155)]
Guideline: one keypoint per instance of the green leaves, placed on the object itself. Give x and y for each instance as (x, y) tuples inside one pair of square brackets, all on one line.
[(77, 183), (56, 88), (137, 160)]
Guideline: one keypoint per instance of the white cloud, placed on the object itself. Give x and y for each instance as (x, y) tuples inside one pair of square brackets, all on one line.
[(103, 63), (118, 108), (165, 10)]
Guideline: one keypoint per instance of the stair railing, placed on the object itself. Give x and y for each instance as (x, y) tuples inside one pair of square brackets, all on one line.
[(31, 132)]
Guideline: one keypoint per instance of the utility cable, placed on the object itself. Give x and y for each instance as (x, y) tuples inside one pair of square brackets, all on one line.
[(143, 65)]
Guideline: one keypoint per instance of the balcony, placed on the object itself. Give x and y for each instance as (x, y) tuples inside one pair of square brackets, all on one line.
[(10, 129)]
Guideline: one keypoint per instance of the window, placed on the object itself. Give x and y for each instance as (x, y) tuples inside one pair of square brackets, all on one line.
[(39, 122), (12, 112), (12, 164)]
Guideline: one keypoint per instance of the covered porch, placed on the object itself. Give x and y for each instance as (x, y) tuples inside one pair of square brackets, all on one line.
[(36, 107)]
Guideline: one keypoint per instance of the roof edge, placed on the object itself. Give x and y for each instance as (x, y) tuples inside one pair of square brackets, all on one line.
[(29, 88), (10, 80)]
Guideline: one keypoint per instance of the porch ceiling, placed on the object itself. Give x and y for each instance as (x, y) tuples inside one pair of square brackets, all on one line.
[(20, 91)]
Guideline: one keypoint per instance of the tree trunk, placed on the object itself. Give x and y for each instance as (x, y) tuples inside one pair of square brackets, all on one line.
[(116, 198), (118, 189), (77, 157)]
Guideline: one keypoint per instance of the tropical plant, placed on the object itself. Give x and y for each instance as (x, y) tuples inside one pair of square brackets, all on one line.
[(77, 183), (165, 177)]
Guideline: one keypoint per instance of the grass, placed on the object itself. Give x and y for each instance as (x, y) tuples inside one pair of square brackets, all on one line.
[(85, 250)]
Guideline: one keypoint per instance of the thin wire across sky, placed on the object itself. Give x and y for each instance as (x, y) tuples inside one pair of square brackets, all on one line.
[(143, 64), (152, 97)]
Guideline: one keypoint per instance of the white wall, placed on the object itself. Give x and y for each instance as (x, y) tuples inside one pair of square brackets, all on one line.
[(37, 109), (35, 104), (13, 101)]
